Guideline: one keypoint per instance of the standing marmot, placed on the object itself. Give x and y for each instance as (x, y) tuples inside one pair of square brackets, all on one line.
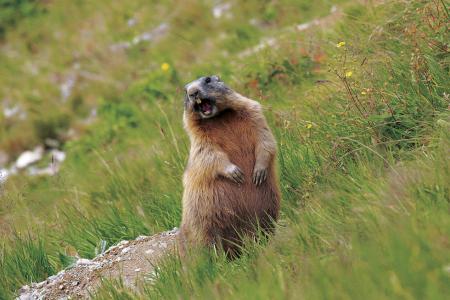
[(230, 183)]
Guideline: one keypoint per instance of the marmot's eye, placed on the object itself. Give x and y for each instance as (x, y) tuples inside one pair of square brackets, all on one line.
[(208, 79), (193, 95)]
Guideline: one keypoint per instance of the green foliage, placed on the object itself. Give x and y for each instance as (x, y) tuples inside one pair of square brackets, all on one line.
[(362, 150), (23, 260), (11, 11)]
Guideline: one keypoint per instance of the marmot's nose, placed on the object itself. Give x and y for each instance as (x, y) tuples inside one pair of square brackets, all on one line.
[(192, 91)]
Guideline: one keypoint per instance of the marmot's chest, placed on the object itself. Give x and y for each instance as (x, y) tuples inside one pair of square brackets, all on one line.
[(236, 135), (233, 132)]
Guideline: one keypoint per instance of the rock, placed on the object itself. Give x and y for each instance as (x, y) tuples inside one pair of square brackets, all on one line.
[(173, 231), (221, 9), (4, 174), (58, 155), (26, 296), (9, 112), (122, 244), (29, 157), (79, 280), (119, 46), (12, 109), (49, 171), (141, 237), (265, 43), (24, 289), (131, 22), (304, 26), (84, 261), (152, 35), (67, 86), (53, 168)]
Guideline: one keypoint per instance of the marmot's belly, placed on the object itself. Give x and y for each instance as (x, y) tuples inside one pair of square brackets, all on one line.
[(240, 206)]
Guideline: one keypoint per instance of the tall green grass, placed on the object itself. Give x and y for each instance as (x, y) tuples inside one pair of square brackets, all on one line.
[(364, 173), (23, 259), (362, 161)]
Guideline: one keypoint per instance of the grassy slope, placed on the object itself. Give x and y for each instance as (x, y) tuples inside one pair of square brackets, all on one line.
[(363, 163)]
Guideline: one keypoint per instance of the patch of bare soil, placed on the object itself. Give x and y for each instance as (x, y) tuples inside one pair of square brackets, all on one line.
[(131, 261)]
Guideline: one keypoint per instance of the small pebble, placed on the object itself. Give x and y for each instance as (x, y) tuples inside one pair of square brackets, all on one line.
[(24, 288), (83, 261), (141, 237), (122, 244)]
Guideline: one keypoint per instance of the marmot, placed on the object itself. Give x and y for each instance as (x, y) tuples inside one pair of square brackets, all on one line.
[(230, 182)]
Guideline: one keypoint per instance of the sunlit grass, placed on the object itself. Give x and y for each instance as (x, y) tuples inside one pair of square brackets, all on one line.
[(360, 114)]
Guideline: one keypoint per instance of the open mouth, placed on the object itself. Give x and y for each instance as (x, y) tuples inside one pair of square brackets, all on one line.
[(204, 106)]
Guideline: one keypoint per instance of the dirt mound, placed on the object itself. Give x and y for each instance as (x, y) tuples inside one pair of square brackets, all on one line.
[(131, 261)]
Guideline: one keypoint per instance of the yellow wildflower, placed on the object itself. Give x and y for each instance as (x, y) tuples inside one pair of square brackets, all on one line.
[(348, 74), (165, 67), (309, 126), (363, 93), (340, 44)]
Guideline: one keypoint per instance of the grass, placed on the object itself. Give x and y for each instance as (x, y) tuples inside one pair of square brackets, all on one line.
[(363, 140)]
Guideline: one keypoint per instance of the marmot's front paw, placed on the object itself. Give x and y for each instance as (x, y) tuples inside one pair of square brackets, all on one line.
[(234, 173), (259, 175)]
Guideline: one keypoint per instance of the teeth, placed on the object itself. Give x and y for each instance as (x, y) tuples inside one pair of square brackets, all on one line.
[(198, 101)]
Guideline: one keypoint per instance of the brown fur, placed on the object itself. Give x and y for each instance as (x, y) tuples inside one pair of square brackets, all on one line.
[(216, 210)]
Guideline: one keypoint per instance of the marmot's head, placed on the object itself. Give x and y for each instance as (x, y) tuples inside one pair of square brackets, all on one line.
[(206, 96)]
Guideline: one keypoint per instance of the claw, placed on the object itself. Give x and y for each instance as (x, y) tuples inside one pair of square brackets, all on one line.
[(240, 176), (259, 176), (236, 175)]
